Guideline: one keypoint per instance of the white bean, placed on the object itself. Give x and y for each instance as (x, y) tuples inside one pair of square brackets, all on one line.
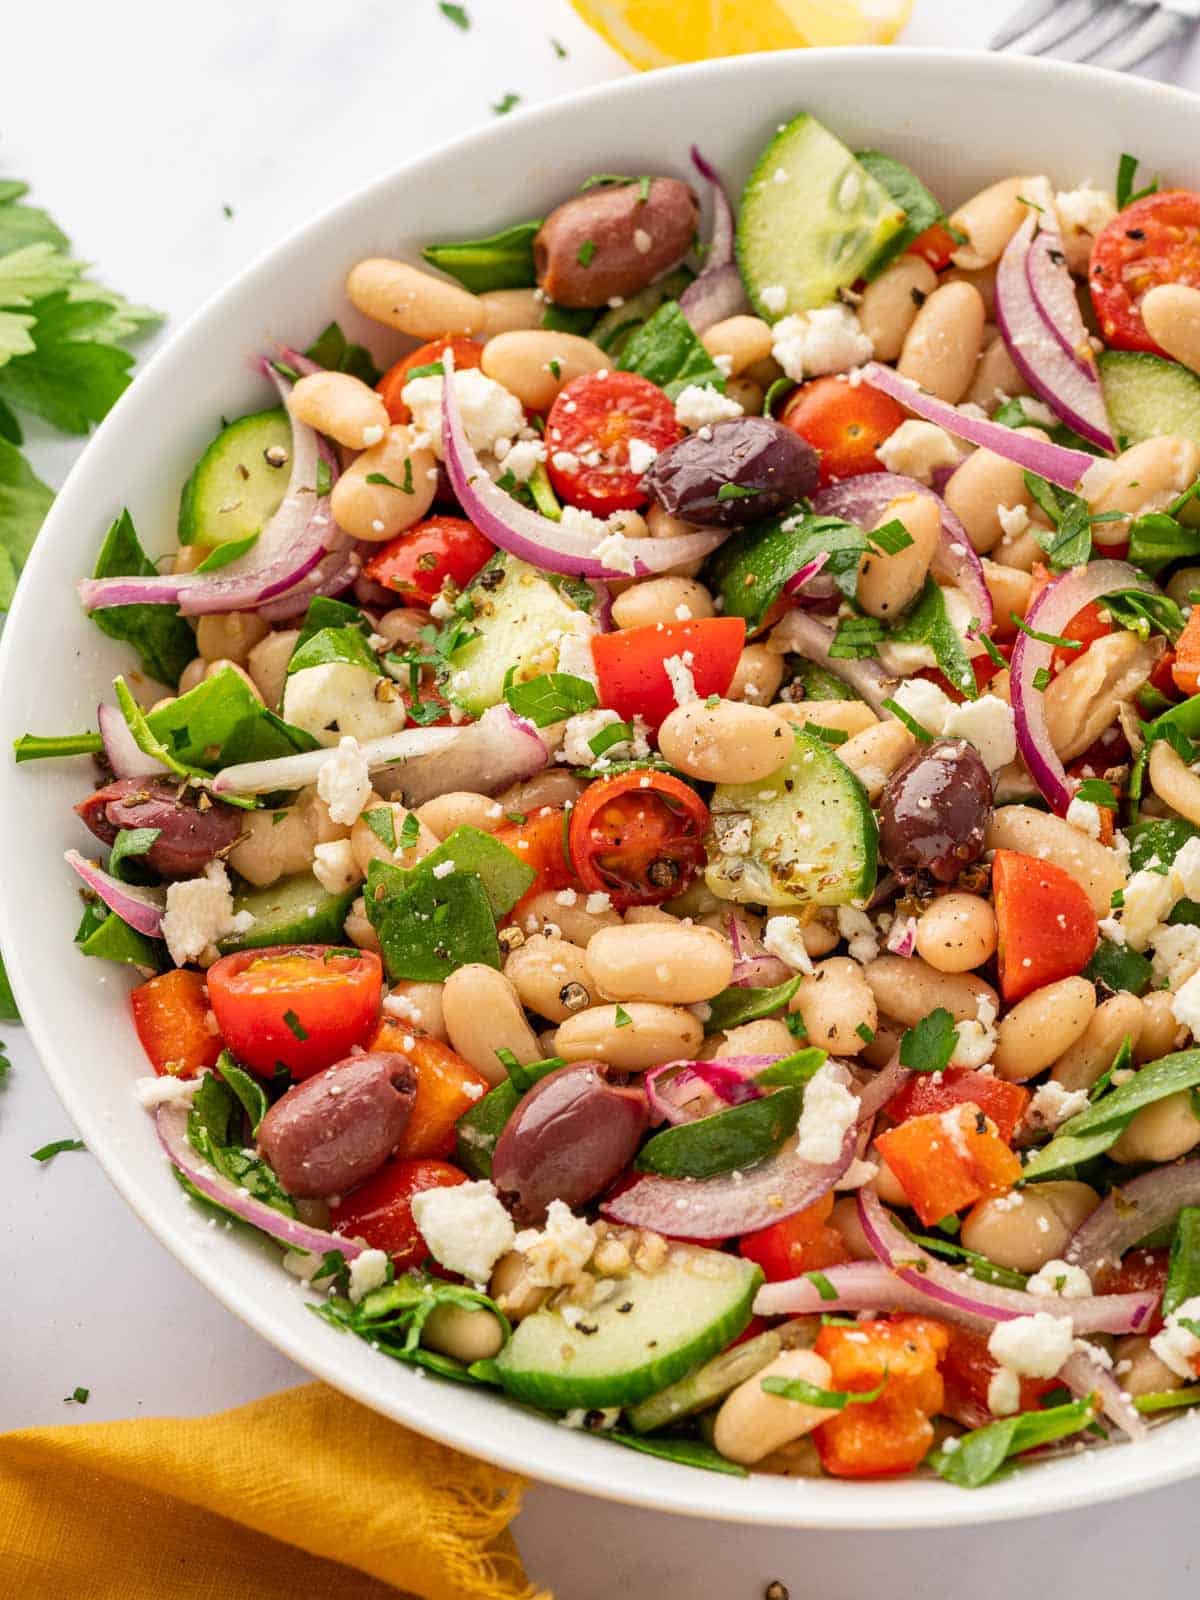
[(1162, 1131), (989, 219), (662, 600), (834, 1001), (379, 511), (230, 636), (267, 664), (1041, 1027), (1026, 1228), (890, 303), (534, 364), (887, 583), (413, 301), (910, 989), (458, 808), (1096, 869), (730, 742), (652, 961), (752, 1422), (651, 1035), (340, 405), (957, 932), (1093, 1052), (483, 1015), (552, 977), (943, 344), (1171, 312)]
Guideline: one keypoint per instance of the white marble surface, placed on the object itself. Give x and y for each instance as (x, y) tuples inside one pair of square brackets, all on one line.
[(136, 128)]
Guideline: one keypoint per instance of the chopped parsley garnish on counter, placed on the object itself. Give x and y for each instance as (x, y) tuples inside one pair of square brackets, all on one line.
[(506, 103), (455, 14)]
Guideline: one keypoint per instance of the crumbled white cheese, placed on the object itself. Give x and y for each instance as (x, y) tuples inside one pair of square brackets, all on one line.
[(1178, 1347), (1149, 897), (166, 1091), (1082, 214), (1014, 520), (575, 647), (1052, 1105), (339, 698), (858, 931), (783, 938), (334, 866), (1032, 1347), (443, 869), (975, 1044), (199, 912), (1176, 954), (1004, 1393), (642, 456), (812, 344), (524, 458), (598, 902), (830, 1110), (916, 449), (1084, 815), (489, 412), (700, 405), (1185, 1007), (683, 684), (1060, 1278), (774, 299), (617, 552), (925, 703), (582, 728), (368, 1271), (557, 1253), (988, 724), (344, 782), (465, 1227)]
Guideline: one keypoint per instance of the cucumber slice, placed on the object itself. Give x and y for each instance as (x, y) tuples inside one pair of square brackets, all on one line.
[(725, 1142), (651, 1332), (817, 228), (1146, 396), (821, 684), (708, 1384), (519, 617), (811, 839), (293, 911), (237, 484)]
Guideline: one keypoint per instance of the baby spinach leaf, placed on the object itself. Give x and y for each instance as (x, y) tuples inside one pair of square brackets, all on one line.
[(158, 633), (326, 613), (8, 1003), (551, 697), (332, 350), (331, 645), (1183, 1271), (108, 937), (1118, 967), (734, 1005), (504, 876), (428, 925), (214, 1130), (248, 1089), (665, 349), (920, 208), (929, 623), (975, 1458), (685, 1452), (500, 261), (751, 568)]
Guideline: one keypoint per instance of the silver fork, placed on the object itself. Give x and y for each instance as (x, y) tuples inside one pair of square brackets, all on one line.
[(1109, 33)]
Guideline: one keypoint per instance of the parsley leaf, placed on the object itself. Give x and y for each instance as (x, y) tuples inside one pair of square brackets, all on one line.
[(552, 697), (455, 14), (929, 1046), (929, 623), (332, 350), (24, 502), (504, 105)]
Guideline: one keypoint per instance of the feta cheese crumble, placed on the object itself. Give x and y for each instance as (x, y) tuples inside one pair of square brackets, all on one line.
[(830, 1110), (1085, 815), (642, 455), (199, 912), (465, 1227), (683, 684), (774, 298), (1060, 1278), (166, 1091), (557, 1253), (988, 724), (489, 412), (858, 930), (367, 1271), (1178, 1347), (1033, 1347), (344, 782), (582, 728), (783, 938), (812, 344), (1052, 1105), (916, 449), (334, 866), (339, 698), (699, 406)]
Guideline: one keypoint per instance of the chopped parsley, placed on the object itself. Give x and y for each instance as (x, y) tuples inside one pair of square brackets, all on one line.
[(504, 105), (58, 1148), (856, 638), (929, 1046), (324, 478), (295, 1026), (1056, 639), (455, 14), (382, 822), (586, 251), (811, 1394), (1126, 177), (388, 483), (1097, 792), (79, 1395), (621, 1017), (909, 721)]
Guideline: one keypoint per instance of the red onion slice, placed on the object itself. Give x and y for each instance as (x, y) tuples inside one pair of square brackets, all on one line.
[(902, 937), (1085, 1374), (801, 579), (142, 908), (858, 1286), (125, 756), (300, 534), (171, 1123), (967, 1300), (886, 1083), (552, 546), (1053, 462), (676, 1091), (1045, 338), (1050, 613), (718, 292), (808, 637), (863, 499), (1138, 1208), (753, 968), (332, 575)]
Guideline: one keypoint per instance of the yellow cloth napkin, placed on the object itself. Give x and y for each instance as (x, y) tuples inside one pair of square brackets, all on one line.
[(304, 1495)]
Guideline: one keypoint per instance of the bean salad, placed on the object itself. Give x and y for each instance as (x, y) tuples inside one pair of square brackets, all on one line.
[(663, 865)]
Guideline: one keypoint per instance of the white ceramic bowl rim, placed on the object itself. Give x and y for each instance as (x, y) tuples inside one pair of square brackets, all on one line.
[(90, 1067)]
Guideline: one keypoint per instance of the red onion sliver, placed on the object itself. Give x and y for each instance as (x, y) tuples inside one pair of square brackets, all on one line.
[(902, 937), (858, 1286), (1040, 347), (552, 546), (804, 634), (142, 908), (1050, 613), (886, 1083), (718, 292), (1053, 462), (961, 1298), (171, 1123), (1085, 1374), (125, 756), (803, 575), (1142, 1205), (863, 500)]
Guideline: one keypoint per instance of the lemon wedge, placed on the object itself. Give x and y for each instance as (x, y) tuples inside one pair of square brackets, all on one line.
[(662, 33)]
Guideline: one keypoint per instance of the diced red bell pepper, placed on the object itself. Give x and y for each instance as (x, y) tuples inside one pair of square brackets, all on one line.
[(967, 1371), (630, 664), (893, 1433), (380, 1210), (175, 1023), (800, 1243), (1186, 668), (446, 1087), (1046, 928), (948, 1160), (928, 1092), (1139, 1270), (541, 843)]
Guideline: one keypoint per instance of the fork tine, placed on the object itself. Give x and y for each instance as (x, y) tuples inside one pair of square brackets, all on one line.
[(1070, 19), (1155, 31), (1107, 30), (1030, 14)]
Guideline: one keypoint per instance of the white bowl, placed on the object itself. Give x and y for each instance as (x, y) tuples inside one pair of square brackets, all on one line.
[(960, 120)]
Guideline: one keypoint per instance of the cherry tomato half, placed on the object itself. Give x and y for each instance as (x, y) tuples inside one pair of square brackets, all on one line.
[(380, 1210), (630, 666), (844, 424), (467, 353), (588, 433), (417, 563), (302, 1005), (1153, 241), (638, 837), (936, 245)]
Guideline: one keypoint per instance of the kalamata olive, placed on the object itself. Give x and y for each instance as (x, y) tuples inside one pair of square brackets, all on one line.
[(935, 811), (191, 830), (339, 1126), (568, 1138), (614, 240), (745, 469)]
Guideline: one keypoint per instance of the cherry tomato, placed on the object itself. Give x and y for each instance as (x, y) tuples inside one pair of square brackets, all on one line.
[(541, 843), (844, 424), (302, 1005), (1153, 241), (800, 1243), (967, 1371), (417, 563), (936, 245), (172, 1016), (984, 668), (638, 837), (1087, 625), (588, 433), (467, 353), (630, 664), (1139, 1270), (380, 1210)]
